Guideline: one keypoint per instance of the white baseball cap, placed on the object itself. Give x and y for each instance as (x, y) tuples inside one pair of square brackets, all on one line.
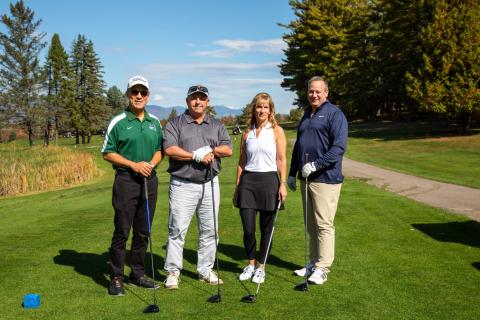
[(138, 80)]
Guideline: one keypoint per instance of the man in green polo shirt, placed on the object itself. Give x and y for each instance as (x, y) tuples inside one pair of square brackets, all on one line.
[(133, 144)]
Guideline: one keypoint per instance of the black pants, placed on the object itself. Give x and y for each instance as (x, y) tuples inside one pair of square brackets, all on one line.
[(249, 217), (129, 203)]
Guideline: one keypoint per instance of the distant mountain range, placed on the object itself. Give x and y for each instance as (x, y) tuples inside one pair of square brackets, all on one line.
[(163, 112)]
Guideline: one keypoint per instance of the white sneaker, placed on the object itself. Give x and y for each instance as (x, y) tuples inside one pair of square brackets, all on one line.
[(211, 278), (172, 280), (247, 272), (258, 276), (307, 269), (318, 276)]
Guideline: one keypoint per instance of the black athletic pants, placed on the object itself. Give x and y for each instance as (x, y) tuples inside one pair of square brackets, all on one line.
[(249, 217), (128, 200)]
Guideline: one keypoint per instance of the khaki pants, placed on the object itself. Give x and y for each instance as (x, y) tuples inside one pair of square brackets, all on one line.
[(321, 208)]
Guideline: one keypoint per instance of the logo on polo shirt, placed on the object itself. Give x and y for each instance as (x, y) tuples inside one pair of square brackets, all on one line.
[(152, 127)]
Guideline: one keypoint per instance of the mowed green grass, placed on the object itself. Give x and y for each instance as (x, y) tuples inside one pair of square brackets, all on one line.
[(425, 149), (395, 259)]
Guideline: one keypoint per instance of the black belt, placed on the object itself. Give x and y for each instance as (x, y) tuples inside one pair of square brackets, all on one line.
[(135, 175), (191, 181)]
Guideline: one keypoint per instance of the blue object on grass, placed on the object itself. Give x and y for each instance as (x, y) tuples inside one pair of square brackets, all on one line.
[(31, 300)]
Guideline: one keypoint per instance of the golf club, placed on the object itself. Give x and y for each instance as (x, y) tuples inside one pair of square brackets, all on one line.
[(153, 308), (216, 298), (252, 298), (304, 285)]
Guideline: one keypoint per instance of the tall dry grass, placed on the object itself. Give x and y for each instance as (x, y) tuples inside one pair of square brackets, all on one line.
[(24, 169)]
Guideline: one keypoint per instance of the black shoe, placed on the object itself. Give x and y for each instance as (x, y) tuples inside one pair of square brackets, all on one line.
[(143, 282), (116, 287)]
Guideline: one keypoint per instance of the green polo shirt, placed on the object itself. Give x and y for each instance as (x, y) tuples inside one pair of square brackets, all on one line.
[(133, 139)]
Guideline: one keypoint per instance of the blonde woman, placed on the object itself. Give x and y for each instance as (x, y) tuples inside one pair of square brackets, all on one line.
[(261, 181)]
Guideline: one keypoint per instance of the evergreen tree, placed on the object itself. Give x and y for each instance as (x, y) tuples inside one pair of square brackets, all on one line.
[(211, 111), (20, 70), (315, 43), (400, 24), (448, 80), (116, 100), (58, 85), (91, 112), (245, 116), (172, 115)]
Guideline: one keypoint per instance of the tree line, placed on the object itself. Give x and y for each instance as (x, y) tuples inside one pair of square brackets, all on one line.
[(65, 94), (384, 57)]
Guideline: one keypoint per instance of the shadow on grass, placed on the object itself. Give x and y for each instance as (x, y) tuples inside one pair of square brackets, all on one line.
[(96, 266), (237, 253), (476, 265), (465, 232)]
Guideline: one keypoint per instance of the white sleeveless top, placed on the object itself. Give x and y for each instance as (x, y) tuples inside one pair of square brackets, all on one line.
[(261, 151)]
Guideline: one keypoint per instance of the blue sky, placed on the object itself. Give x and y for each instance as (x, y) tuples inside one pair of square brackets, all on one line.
[(232, 47)]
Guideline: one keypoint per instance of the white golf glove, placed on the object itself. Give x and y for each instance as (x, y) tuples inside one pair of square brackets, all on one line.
[(200, 153), (308, 169), (292, 183)]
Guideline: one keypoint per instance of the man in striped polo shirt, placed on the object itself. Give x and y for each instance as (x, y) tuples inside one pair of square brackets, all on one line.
[(133, 144)]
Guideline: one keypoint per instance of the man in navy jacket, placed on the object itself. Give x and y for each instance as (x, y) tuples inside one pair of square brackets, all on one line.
[(317, 158)]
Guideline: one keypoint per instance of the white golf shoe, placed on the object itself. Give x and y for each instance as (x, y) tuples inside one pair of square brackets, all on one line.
[(247, 272), (319, 276), (259, 276), (308, 269), (172, 280), (211, 278)]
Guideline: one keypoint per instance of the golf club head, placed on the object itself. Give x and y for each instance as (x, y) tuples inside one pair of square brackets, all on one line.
[(216, 298), (153, 308), (301, 287), (250, 298)]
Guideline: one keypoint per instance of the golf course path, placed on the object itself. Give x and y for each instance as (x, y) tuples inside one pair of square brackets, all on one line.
[(455, 198)]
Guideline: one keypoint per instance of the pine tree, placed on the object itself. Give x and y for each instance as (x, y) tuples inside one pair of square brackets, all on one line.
[(211, 111), (448, 80), (116, 100), (172, 115), (315, 43), (58, 85), (91, 112), (400, 23), (20, 70)]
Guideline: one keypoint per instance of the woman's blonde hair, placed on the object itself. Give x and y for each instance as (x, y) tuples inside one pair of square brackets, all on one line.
[(262, 96)]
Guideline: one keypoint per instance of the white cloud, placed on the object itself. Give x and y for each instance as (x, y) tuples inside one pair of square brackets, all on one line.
[(231, 84), (157, 98), (230, 48), (165, 71)]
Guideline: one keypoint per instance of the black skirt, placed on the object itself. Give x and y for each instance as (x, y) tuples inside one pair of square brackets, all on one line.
[(258, 190)]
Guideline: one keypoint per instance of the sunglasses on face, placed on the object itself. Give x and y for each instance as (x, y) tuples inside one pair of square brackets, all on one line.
[(197, 89), (135, 92)]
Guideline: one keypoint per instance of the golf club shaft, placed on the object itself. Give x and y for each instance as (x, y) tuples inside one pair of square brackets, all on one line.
[(215, 226), (270, 241), (150, 238), (306, 221)]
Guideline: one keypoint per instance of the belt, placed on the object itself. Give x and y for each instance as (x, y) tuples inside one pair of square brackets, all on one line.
[(135, 175), (190, 181)]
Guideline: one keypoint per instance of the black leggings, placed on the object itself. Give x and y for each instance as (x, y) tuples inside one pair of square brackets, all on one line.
[(249, 217)]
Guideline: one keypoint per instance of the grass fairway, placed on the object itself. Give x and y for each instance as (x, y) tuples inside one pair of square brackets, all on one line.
[(395, 259), (429, 150)]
